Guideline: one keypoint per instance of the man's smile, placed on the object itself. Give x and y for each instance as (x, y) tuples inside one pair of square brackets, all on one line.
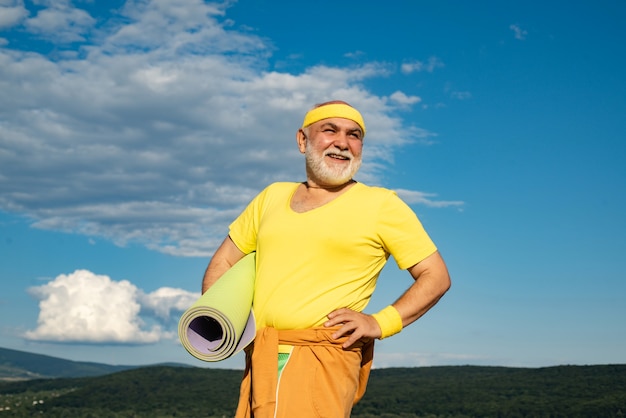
[(338, 156)]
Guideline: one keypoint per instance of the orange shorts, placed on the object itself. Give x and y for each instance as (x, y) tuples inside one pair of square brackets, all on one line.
[(320, 378)]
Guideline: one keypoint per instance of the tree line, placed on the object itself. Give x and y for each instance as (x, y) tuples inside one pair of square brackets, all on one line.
[(425, 392)]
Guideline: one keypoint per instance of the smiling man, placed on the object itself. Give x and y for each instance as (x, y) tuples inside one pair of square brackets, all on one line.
[(320, 246)]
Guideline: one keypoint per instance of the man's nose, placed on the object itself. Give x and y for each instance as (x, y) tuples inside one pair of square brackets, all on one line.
[(341, 141)]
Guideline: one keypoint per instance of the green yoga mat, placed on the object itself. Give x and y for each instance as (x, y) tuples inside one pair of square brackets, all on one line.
[(221, 322)]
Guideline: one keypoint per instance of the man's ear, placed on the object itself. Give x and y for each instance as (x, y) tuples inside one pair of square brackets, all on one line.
[(301, 140)]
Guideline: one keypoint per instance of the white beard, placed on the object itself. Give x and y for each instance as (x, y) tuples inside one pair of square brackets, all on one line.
[(324, 174)]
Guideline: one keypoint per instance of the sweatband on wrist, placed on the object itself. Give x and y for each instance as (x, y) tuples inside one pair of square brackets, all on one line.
[(335, 110), (389, 321)]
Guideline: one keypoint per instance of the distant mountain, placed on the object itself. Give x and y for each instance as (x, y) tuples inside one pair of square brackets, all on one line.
[(20, 365)]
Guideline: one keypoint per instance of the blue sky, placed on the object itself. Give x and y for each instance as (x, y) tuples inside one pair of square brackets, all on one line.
[(133, 132)]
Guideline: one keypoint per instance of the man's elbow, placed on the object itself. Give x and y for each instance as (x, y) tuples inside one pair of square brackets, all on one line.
[(442, 273), (444, 284)]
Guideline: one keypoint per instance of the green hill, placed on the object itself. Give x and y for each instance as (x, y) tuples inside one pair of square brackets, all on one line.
[(473, 391), (433, 392), (19, 365)]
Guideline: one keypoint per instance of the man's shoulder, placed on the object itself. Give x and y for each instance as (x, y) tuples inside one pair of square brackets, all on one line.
[(374, 191), (281, 185), (278, 188), (379, 196)]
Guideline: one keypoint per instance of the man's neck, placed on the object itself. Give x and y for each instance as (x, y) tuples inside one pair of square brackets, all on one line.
[(310, 195), (331, 188)]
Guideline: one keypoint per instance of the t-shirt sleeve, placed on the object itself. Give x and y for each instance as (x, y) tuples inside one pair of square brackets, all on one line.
[(243, 230), (402, 233)]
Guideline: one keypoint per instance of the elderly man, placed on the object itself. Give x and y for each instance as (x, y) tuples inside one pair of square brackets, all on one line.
[(320, 246)]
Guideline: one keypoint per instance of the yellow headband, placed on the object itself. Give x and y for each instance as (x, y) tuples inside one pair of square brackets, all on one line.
[(335, 110)]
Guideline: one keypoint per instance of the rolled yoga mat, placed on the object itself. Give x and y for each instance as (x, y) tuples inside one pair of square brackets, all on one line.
[(221, 322)]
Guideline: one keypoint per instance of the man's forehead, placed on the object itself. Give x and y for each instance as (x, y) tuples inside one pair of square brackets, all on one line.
[(334, 110), (340, 123)]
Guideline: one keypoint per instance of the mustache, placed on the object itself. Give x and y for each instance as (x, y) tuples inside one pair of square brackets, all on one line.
[(345, 154)]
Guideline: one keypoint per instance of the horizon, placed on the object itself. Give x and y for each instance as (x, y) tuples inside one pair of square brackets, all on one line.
[(177, 364)]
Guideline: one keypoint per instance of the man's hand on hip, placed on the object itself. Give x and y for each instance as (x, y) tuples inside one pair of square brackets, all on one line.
[(355, 325)]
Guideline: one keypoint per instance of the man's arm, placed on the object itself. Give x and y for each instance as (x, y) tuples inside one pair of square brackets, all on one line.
[(223, 259), (432, 281)]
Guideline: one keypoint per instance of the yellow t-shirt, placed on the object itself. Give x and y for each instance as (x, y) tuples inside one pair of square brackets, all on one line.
[(311, 263)]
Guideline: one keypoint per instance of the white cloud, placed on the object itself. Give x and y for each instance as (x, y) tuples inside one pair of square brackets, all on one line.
[(83, 307), (404, 100), (165, 123), (456, 94), (61, 22), (12, 12), (355, 54), (421, 198), (518, 32), (418, 66), (167, 299)]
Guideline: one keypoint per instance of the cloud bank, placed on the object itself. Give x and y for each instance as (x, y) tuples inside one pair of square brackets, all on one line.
[(83, 307)]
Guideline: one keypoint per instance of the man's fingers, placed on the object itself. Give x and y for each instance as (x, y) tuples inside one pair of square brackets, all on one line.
[(350, 331), (340, 316), (346, 328), (338, 312), (354, 325)]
